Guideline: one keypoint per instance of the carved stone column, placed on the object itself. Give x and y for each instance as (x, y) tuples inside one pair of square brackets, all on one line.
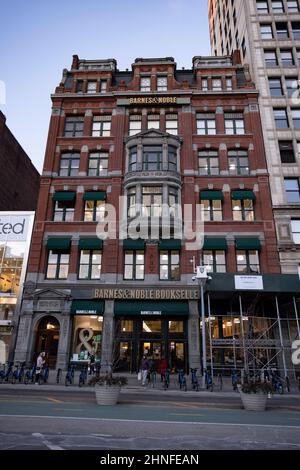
[(107, 335), (194, 335)]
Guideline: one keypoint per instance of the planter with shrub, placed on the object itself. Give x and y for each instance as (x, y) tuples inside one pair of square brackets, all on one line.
[(254, 394), (107, 388)]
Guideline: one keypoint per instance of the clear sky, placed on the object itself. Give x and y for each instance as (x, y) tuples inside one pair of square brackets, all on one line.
[(39, 37)]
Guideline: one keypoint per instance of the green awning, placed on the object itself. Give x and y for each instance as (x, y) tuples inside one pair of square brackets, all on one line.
[(95, 196), (151, 308), (211, 196), (247, 244), (170, 244), (87, 307), (215, 243), (58, 243), (243, 195), (67, 196), (90, 244), (130, 244)]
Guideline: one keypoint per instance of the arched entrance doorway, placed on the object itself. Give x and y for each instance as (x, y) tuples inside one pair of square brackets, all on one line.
[(47, 338)]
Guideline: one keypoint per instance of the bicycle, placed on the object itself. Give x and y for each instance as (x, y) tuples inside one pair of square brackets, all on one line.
[(182, 380), (82, 376), (7, 372), (152, 378), (18, 373), (70, 376), (234, 380), (44, 374), (194, 380), (220, 382), (29, 375), (208, 381), (277, 383), (166, 378)]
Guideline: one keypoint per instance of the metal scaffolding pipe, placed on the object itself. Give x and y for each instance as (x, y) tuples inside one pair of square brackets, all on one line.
[(210, 337), (243, 336), (281, 337), (297, 318)]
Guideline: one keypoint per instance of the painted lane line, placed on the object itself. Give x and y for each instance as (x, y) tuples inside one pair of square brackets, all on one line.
[(54, 400), (143, 421), (46, 442)]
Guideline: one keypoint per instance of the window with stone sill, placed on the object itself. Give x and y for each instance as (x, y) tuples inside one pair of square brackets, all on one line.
[(134, 265), (169, 266), (90, 264), (57, 265), (98, 164), (247, 261), (74, 126), (69, 164), (64, 211), (214, 260), (101, 126), (243, 210), (94, 211)]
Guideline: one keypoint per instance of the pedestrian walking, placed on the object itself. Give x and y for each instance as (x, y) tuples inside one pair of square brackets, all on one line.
[(39, 366), (144, 369)]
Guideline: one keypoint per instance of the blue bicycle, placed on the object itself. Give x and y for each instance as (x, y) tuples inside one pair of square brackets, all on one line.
[(234, 380), (18, 373), (166, 378), (43, 376), (208, 381), (6, 373), (30, 375), (194, 380), (70, 376), (277, 383), (182, 380), (83, 376)]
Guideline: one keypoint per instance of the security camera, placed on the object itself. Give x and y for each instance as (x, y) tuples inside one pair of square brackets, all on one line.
[(194, 278)]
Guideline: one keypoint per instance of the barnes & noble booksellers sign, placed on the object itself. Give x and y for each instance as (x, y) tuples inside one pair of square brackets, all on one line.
[(147, 294)]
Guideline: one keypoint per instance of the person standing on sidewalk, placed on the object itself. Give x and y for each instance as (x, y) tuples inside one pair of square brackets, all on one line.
[(144, 369), (39, 365)]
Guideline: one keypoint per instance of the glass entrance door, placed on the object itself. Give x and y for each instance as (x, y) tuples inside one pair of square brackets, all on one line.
[(177, 355), (151, 349)]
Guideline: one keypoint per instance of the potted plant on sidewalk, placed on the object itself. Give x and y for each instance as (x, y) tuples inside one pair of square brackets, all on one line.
[(107, 388), (254, 394)]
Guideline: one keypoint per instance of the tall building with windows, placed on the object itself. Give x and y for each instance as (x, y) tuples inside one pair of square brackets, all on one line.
[(160, 138), (267, 32)]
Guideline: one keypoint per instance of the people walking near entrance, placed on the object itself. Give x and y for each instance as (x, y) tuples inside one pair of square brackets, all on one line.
[(39, 365), (144, 369), (162, 367)]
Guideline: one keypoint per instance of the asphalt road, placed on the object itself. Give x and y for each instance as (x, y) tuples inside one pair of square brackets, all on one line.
[(36, 419)]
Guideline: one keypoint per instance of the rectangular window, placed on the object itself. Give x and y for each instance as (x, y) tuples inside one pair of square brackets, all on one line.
[(91, 87), (94, 211), (208, 163), (292, 190), (172, 158), (212, 211), (169, 266), (266, 31), (145, 84), (238, 163), (287, 59), (153, 121), (58, 265), (98, 164), (282, 31), (295, 225), (217, 84), (234, 125), (293, 6), (277, 7), (262, 7), (204, 83), (134, 265), (152, 198), (206, 124), (132, 164), (281, 119), (74, 126), (101, 126), (214, 260), (242, 210), (135, 124), (296, 29), (298, 149), (79, 86), (229, 84), (275, 87), (69, 164), (286, 152), (247, 261), (103, 86), (131, 203), (90, 264), (64, 211), (292, 87), (152, 157), (162, 83), (296, 118), (172, 124), (271, 58)]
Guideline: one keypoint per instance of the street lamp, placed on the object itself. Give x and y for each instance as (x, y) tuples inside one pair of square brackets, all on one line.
[(202, 278)]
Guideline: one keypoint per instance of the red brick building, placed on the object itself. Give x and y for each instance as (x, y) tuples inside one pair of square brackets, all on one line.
[(156, 135), (19, 179)]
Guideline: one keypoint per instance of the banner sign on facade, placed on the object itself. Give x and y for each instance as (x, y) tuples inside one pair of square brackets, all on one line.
[(249, 282)]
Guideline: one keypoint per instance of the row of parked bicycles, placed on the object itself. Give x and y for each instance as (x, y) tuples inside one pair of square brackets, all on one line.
[(20, 373)]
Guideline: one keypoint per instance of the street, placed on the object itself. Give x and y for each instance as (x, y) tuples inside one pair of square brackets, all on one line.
[(69, 419)]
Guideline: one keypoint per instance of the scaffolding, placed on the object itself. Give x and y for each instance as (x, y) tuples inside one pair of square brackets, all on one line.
[(252, 338)]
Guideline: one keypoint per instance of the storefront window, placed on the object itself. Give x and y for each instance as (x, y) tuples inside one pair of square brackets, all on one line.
[(176, 327), (126, 326), (152, 326), (11, 260), (87, 334)]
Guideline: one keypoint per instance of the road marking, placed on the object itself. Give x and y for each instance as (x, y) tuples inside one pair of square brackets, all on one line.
[(184, 414), (54, 400), (46, 442), (196, 423)]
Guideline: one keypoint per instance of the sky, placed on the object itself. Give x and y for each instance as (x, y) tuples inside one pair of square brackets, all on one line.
[(39, 37)]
